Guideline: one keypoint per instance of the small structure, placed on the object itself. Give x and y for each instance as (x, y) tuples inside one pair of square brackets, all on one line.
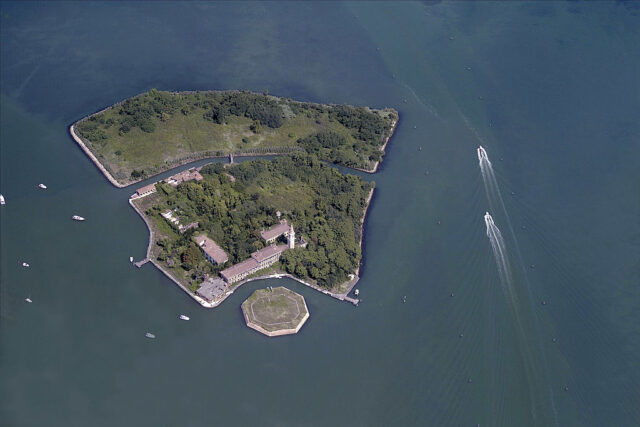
[(146, 190), (276, 231), (183, 228), (212, 288), (168, 215), (212, 251), (275, 311), (184, 176)]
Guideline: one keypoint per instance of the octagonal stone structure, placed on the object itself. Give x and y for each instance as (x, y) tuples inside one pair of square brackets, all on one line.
[(275, 311)]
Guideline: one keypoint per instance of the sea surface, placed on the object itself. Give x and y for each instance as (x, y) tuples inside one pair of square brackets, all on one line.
[(551, 90)]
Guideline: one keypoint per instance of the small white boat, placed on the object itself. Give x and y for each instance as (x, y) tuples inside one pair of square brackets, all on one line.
[(2, 202), (25, 264), (130, 259), (77, 218), (183, 317), (357, 292), (44, 187), (149, 335), (28, 300)]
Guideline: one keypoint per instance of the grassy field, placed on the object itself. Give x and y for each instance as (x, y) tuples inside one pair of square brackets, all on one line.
[(276, 309), (181, 136)]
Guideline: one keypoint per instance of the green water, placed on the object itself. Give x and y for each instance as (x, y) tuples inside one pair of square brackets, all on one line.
[(550, 89)]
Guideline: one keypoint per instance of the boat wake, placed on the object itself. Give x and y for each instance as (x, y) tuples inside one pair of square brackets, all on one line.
[(519, 298)]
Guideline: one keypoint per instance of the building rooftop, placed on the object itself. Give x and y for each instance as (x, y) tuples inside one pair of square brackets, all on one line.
[(239, 268), (212, 249), (212, 288), (275, 231), (183, 176), (146, 189), (268, 252)]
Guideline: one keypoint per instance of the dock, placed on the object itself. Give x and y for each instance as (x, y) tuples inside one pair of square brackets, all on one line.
[(353, 301), (141, 262)]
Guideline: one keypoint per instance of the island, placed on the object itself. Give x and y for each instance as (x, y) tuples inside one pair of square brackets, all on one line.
[(158, 130), (275, 311), (214, 227)]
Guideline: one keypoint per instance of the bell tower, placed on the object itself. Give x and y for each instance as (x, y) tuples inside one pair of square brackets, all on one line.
[(291, 237)]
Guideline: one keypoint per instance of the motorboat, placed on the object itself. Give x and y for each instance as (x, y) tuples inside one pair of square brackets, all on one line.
[(149, 335), (482, 154), (77, 218), (2, 202), (357, 292), (28, 300), (130, 259), (183, 317), (44, 187), (25, 264)]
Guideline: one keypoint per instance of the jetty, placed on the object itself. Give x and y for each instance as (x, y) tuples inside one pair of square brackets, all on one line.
[(141, 262)]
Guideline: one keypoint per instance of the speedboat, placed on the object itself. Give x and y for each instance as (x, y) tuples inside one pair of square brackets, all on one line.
[(130, 259), (2, 202), (183, 317), (25, 264), (28, 300), (44, 187), (149, 335), (482, 154), (77, 218)]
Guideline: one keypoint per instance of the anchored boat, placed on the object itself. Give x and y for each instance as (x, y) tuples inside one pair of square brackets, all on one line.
[(44, 187), (77, 218), (2, 202), (149, 335), (183, 317), (25, 264)]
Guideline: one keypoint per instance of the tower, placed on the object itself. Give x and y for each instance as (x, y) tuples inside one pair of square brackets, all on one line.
[(291, 237)]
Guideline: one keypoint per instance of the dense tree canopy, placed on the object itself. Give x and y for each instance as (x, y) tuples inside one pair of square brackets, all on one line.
[(324, 205)]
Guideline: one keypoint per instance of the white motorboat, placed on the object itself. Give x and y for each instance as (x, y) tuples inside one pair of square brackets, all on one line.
[(149, 335), (357, 292), (44, 187), (77, 218), (2, 202), (25, 264), (28, 300), (183, 317), (482, 154), (130, 259)]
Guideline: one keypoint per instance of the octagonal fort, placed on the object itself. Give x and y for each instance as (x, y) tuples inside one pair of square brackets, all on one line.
[(275, 311)]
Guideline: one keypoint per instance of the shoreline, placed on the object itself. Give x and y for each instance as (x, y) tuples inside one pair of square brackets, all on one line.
[(93, 158), (343, 296), (383, 148)]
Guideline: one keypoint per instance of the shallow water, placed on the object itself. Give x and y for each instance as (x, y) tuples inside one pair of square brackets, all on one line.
[(550, 90)]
